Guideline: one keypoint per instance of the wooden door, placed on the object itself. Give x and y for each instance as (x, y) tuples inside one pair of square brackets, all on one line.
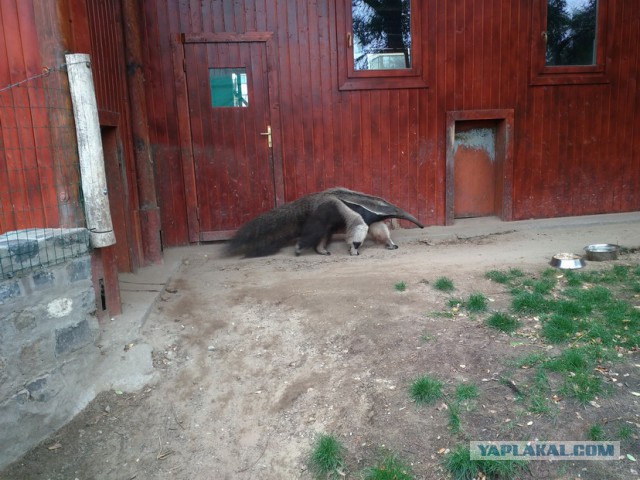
[(229, 115), (475, 169)]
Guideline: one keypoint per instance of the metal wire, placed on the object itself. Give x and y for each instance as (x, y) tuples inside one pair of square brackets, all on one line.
[(41, 214)]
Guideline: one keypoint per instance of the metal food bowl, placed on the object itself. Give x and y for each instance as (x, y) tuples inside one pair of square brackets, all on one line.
[(600, 252), (569, 261)]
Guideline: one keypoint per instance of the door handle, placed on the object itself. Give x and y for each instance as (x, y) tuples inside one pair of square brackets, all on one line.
[(268, 134)]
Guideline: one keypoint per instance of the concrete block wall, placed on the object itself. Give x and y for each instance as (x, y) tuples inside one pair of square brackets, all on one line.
[(48, 330)]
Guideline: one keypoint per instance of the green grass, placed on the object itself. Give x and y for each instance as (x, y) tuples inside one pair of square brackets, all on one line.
[(571, 360), (625, 432), (498, 276), (529, 303), (444, 284), (538, 404), (426, 390), (590, 316), (559, 328), (573, 278), (389, 467), (425, 337), (466, 391), (545, 284), (537, 395), (460, 466), (400, 286), (504, 278), (477, 303), (327, 458), (596, 433), (455, 424), (455, 303), (531, 360), (503, 322), (584, 387)]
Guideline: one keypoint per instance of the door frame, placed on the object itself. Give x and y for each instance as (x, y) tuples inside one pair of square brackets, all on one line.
[(504, 152), (184, 123)]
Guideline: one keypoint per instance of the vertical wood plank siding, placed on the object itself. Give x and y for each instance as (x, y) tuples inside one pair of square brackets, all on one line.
[(27, 185), (576, 147), (108, 62)]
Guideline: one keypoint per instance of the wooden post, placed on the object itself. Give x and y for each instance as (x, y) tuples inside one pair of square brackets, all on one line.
[(149, 212), (93, 178)]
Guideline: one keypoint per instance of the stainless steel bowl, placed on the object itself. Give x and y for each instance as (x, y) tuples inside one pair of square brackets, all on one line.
[(569, 261), (600, 252)]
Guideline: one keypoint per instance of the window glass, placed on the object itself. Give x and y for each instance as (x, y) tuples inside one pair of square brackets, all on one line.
[(381, 34), (571, 32), (228, 87)]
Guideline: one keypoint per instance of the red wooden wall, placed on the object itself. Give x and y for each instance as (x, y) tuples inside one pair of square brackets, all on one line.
[(39, 174), (576, 147), (106, 45), (28, 195)]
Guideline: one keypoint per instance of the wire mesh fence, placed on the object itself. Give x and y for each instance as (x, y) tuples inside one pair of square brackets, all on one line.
[(41, 214)]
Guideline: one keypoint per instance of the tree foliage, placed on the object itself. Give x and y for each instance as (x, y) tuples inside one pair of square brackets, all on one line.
[(571, 33)]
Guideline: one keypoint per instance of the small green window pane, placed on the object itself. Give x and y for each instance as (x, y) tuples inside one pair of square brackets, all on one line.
[(228, 87)]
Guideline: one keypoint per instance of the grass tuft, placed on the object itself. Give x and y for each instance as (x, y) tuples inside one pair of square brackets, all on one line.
[(498, 276), (529, 303), (571, 360), (454, 417), (466, 391), (455, 303), (425, 337), (426, 390), (559, 328), (459, 464), (584, 387), (477, 303), (389, 468), (503, 322), (400, 286), (544, 285), (444, 284), (503, 277), (625, 432), (596, 433), (327, 457)]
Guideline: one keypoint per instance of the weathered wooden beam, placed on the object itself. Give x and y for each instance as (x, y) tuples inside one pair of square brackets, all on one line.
[(148, 203), (92, 172)]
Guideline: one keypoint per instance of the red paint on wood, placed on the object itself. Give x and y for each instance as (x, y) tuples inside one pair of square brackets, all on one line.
[(474, 183), (104, 272), (476, 55)]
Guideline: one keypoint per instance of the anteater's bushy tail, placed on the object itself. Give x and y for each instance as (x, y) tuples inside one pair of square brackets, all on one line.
[(269, 232)]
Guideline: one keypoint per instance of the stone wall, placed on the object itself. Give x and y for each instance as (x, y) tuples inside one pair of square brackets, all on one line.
[(48, 330)]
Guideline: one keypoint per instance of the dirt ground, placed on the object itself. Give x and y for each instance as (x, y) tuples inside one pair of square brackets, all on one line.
[(255, 358)]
